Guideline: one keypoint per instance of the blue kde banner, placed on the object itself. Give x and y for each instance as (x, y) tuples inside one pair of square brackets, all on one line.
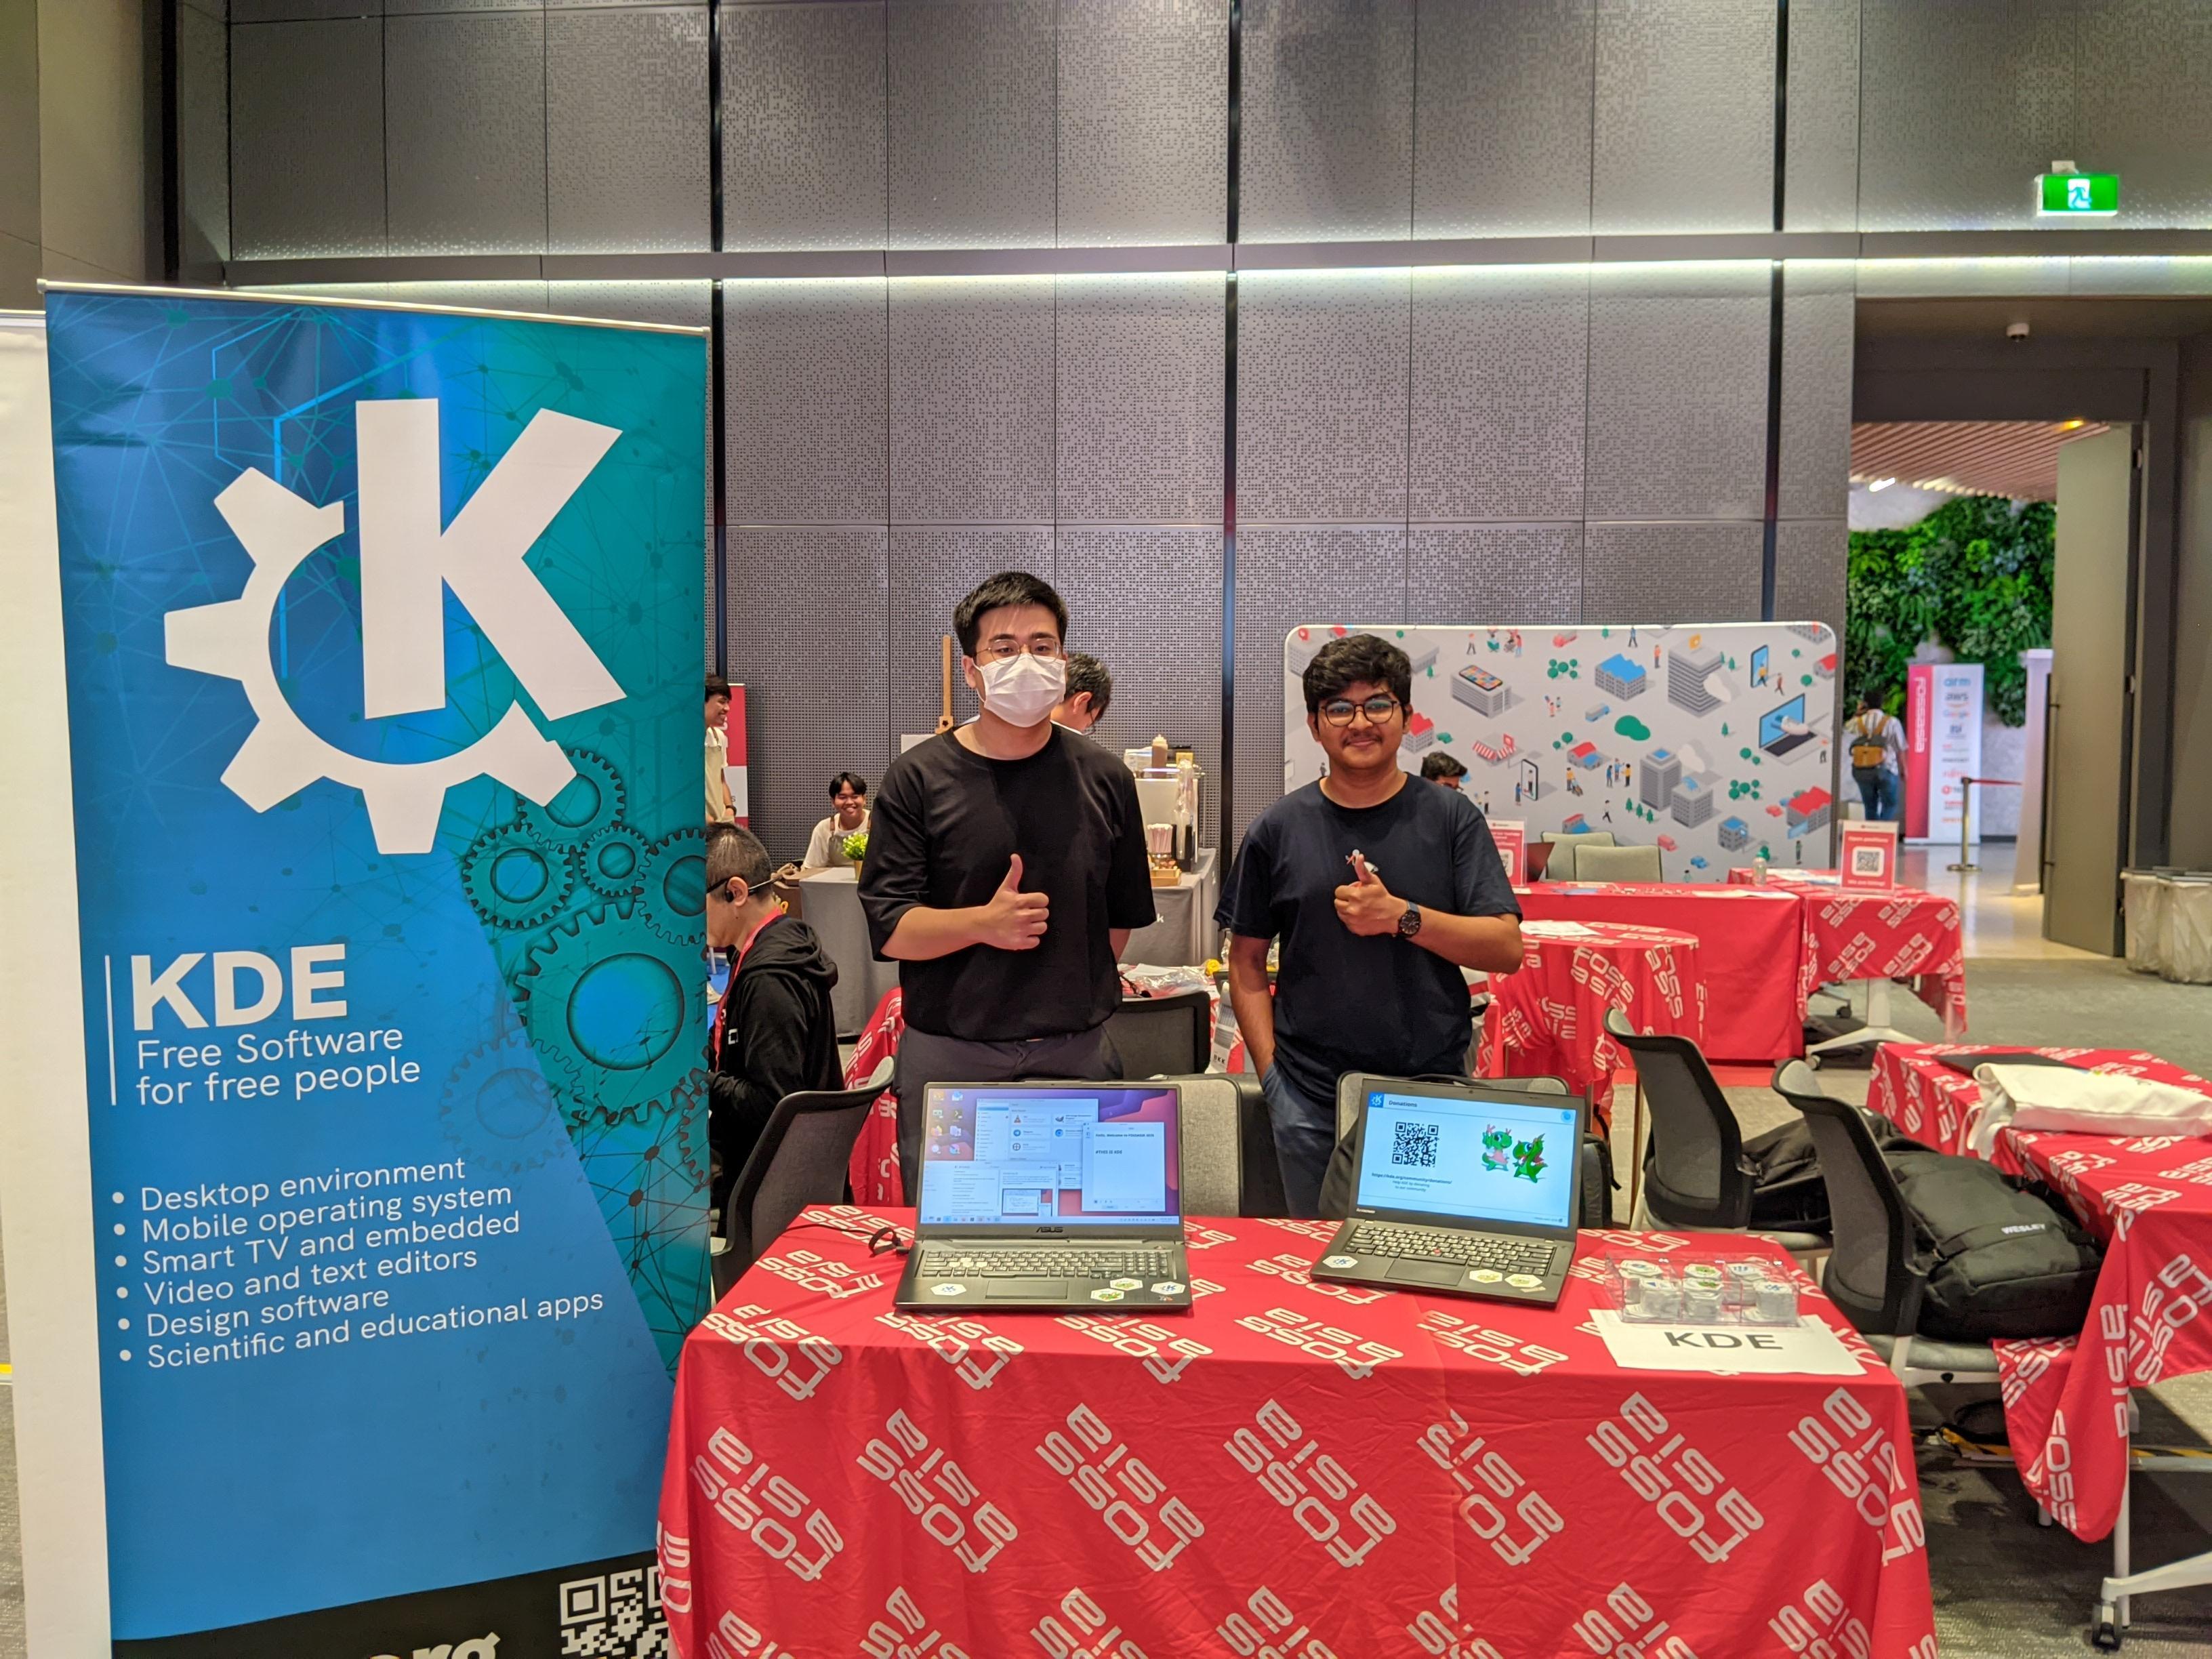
[(383, 643)]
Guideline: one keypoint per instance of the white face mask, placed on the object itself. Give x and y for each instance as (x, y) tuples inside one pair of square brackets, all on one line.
[(1021, 690)]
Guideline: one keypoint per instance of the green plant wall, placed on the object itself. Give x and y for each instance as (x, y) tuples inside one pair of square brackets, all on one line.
[(1974, 574)]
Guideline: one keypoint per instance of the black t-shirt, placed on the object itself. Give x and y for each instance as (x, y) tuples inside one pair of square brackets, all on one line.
[(947, 823), (1345, 1002)]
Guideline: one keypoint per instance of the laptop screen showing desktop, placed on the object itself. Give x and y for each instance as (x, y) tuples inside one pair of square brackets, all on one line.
[(1480, 1160), (1075, 1156), (1771, 729)]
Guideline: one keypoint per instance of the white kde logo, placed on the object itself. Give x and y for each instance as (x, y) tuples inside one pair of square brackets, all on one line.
[(407, 560)]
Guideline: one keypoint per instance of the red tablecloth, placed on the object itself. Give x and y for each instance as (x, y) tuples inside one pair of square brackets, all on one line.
[(1548, 1020), (1291, 1470), (874, 1169), (2149, 1200), (1752, 950), (1903, 933)]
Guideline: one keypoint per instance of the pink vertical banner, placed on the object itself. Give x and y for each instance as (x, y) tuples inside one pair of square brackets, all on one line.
[(1919, 742)]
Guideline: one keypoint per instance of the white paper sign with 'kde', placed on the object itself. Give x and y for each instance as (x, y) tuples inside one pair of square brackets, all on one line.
[(1808, 1348)]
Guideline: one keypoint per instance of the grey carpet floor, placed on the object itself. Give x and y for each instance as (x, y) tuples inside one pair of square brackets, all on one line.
[(2005, 1589)]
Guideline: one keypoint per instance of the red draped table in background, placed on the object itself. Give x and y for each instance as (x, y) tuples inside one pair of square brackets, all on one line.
[(2148, 1199), (1548, 1019), (1292, 1469), (1902, 933), (1752, 948)]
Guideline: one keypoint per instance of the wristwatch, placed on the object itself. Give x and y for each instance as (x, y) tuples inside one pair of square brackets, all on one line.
[(1409, 919)]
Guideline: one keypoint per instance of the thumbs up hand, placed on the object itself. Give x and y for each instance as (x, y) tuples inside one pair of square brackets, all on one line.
[(1013, 920), (1364, 904)]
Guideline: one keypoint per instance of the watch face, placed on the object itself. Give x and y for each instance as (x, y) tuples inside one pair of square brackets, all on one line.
[(1409, 923)]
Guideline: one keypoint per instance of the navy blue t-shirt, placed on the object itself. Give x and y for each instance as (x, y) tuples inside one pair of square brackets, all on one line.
[(1347, 1003)]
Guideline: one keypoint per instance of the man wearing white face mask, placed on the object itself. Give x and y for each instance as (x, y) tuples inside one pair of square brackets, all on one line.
[(1005, 871)]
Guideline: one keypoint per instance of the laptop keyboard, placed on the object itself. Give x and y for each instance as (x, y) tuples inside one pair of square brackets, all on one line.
[(1074, 1263), (1501, 1251)]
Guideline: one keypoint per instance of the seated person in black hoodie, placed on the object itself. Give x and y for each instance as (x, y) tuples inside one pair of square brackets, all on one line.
[(776, 1034)]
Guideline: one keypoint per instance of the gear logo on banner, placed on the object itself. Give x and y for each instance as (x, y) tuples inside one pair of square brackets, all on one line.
[(408, 560)]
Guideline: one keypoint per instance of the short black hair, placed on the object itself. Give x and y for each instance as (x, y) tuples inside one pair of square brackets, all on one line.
[(860, 784), (716, 687), (1441, 765), (1355, 658), (738, 854), (1008, 587), (1086, 673)]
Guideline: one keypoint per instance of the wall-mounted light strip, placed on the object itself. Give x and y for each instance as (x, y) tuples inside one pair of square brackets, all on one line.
[(1895, 259)]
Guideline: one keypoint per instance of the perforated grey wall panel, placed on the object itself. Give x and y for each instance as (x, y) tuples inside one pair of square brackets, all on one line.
[(626, 125), (396, 8), (1138, 428), (806, 396), (971, 400), (1494, 572), (1144, 96), (2142, 67), (1322, 387), (1684, 130), (1821, 175), (306, 139), (1810, 558), (1328, 146), (932, 569), (816, 686), (284, 11), (972, 133), (1666, 573), (203, 136), (1961, 105), (465, 147), (803, 123), (1287, 576), (1678, 393), (1818, 310), (1502, 146), (1499, 362), (1147, 604)]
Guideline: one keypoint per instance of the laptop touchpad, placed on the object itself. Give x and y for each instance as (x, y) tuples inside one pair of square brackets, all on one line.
[(1026, 1289), (1426, 1273)]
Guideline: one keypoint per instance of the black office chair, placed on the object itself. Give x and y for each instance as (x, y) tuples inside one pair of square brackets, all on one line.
[(800, 1159), (1162, 1037), (1875, 1272), (1695, 1176), (1229, 1165)]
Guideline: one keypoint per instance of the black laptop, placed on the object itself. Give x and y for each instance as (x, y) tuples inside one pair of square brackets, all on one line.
[(1461, 1188), (1059, 1195)]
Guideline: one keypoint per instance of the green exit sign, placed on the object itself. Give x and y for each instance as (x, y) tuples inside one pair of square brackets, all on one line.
[(2077, 195)]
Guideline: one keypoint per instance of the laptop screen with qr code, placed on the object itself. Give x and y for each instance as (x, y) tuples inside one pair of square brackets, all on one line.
[(1472, 1159)]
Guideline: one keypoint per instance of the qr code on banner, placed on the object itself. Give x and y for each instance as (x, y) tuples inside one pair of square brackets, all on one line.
[(615, 1617), (1413, 1145)]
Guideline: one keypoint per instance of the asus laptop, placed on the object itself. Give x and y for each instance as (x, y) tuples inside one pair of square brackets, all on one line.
[(1461, 1189), (1059, 1195)]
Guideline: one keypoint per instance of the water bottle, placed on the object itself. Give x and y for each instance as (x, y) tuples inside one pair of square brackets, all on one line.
[(1758, 871)]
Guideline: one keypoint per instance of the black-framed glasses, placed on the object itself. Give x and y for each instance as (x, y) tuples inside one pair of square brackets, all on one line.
[(1378, 708)]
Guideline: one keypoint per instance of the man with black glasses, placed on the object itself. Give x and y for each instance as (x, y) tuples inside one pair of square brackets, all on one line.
[(1381, 890), (1005, 870)]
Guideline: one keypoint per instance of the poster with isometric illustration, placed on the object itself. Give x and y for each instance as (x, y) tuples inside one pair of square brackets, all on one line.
[(1714, 742), (381, 629)]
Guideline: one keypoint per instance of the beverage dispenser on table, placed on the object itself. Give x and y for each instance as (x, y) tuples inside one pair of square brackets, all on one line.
[(1169, 792)]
